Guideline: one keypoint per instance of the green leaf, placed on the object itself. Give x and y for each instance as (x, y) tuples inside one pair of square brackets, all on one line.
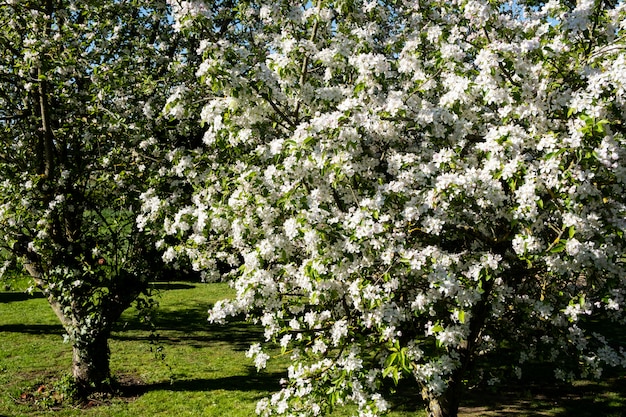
[(391, 359), (359, 88), (600, 125), (559, 247), (392, 371)]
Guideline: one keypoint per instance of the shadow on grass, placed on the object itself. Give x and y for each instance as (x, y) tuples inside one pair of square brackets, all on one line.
[(12, 296), (530, 399), (191, 326), (597, 399), (33, 328), (239, 335), (260, 382), (587, 399), (164, 286)]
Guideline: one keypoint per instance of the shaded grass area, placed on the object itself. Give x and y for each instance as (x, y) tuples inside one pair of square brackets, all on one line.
[(194, 368), (582, 399)]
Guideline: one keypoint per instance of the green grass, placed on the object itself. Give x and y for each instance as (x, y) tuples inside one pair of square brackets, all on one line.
[(205, 371)]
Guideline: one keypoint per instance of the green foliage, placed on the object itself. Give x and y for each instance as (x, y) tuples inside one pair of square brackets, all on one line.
[(397, 363)]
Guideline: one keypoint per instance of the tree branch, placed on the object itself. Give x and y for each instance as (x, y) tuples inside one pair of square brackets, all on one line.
[(267, 98), (48, 136), (305, 65)]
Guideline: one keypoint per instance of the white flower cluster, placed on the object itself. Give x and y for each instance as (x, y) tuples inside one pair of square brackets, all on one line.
[(183, 11), (430, 187)]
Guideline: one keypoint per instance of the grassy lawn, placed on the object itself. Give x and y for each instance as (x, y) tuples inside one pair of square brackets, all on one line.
[(205, 371)]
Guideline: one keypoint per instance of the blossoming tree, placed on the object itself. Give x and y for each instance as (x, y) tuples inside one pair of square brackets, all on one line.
[(79, 84), (405, 189)]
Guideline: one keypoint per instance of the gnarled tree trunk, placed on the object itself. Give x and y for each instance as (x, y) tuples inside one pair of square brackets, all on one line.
[(90, 364), (90, 353)]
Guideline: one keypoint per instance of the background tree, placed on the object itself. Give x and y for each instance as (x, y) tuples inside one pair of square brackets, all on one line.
[(413, 189), (81, 86)]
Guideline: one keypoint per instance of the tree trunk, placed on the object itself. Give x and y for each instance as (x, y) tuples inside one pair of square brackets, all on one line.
[(446, 404), (90, 364)]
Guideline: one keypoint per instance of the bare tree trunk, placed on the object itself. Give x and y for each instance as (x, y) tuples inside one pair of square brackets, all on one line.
[(90, 364)]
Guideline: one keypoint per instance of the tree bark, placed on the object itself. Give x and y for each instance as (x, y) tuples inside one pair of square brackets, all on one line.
[(90, 364), (33, 269), (90, 358), (446, 404), (47, 159)]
